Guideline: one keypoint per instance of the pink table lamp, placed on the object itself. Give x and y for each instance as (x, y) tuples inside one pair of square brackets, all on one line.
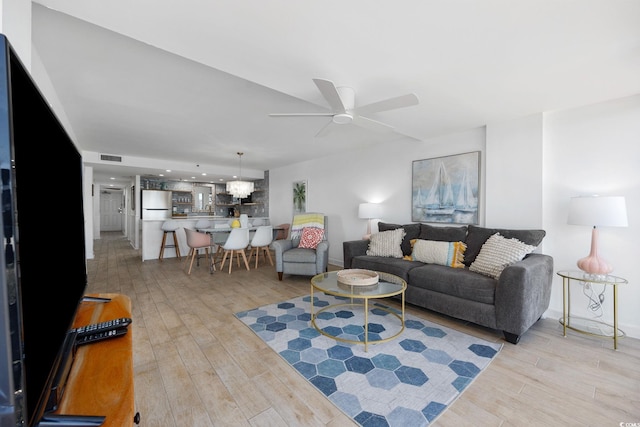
[(596, 211)]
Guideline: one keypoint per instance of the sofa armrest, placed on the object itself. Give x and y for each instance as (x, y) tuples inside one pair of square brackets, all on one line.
[(353, 248), (322, 256), (279, 247), (523, 293)]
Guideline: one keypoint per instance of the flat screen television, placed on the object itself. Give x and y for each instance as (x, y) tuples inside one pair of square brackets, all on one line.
[(43, 266)]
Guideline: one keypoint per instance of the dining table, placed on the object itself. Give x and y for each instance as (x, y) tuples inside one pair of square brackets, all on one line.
[(216, 232)]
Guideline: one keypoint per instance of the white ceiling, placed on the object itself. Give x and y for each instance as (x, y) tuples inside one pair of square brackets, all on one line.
[(194, 81)]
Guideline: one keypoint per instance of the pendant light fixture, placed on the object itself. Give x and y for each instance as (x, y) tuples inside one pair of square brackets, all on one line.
[(239, 188)]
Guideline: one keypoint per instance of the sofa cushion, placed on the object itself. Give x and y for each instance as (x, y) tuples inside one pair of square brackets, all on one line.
[(386, 243), (497, 253), (397, 266), (456, 282), (450, 254), (476, 237), (306, 256), (443, 234), (412, 231)]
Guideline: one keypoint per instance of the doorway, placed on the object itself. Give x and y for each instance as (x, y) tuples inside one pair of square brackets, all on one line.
[(111, 210)]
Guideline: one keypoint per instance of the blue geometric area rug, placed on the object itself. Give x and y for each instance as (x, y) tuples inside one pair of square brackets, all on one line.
[(407, 381)]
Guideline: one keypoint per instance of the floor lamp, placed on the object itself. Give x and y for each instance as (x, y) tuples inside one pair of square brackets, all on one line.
[(369, 211), (596, 211)]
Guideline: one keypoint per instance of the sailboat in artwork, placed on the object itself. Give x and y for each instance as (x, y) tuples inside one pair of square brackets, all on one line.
[(466, 200), (439, 200)]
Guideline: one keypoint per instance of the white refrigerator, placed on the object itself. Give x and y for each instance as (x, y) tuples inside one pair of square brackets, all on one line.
[(156, 204)]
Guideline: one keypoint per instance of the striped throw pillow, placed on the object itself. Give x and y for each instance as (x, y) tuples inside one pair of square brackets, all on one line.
[(450, 254)]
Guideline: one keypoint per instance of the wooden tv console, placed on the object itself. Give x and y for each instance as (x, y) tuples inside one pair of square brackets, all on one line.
[(101, 379)]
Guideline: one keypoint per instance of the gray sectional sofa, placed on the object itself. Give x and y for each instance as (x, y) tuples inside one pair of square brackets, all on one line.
[(511, 303)]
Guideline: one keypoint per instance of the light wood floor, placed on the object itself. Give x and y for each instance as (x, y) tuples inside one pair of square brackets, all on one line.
[(196, 365)]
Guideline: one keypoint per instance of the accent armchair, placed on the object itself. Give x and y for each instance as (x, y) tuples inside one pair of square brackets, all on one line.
[(292, 257)]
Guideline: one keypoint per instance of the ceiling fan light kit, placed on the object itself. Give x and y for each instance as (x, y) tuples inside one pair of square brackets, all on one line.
[(342, 118), (341, 100)]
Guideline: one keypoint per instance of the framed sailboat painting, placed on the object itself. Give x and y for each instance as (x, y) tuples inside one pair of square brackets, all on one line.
[(445, 189)]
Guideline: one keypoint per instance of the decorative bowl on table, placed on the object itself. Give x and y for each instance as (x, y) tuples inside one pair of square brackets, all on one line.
[(357, 277)]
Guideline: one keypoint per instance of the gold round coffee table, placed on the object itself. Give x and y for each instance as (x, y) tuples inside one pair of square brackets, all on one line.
[(388, 285)]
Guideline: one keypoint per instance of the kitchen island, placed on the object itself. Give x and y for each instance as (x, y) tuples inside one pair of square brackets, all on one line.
[(152, 233)]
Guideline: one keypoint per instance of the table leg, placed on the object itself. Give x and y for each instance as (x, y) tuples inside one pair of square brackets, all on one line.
[(311, 303), (366, 323), (615, 317), (212, 245), (564, 305)]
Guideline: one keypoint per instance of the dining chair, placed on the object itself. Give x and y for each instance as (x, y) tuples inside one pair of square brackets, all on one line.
[(219, 238), (169, 227), (237, 243), (196, 241), (260, 243)]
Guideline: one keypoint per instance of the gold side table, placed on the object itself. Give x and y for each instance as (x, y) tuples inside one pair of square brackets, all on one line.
[(590, 326)]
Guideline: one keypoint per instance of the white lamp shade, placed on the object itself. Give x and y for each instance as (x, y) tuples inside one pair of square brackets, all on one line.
[(607, 211), (369, 210)]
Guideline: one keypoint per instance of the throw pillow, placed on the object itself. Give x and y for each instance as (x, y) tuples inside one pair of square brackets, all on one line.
[(497, 253), (410, 256), (386, 243), (411, 230), (310, 237), (450, 254), (478, 235)]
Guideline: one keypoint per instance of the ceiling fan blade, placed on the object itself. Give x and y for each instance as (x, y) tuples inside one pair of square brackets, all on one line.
[(330, 93), (389, 104), (299, 114), (372, 124), (324, 129)]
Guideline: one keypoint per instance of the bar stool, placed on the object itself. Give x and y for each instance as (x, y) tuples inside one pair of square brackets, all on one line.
[(169, 227)]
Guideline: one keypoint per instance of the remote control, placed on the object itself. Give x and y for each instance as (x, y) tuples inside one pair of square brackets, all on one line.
[(108, 325), (91, 338)]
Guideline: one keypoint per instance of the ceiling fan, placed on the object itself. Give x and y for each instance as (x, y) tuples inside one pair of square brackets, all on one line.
[(343, 110)]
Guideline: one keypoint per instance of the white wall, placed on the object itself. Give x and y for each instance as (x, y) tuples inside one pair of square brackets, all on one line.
[(530, 168), (594, 150), (513, 186), (87, 179), (338, 183)]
